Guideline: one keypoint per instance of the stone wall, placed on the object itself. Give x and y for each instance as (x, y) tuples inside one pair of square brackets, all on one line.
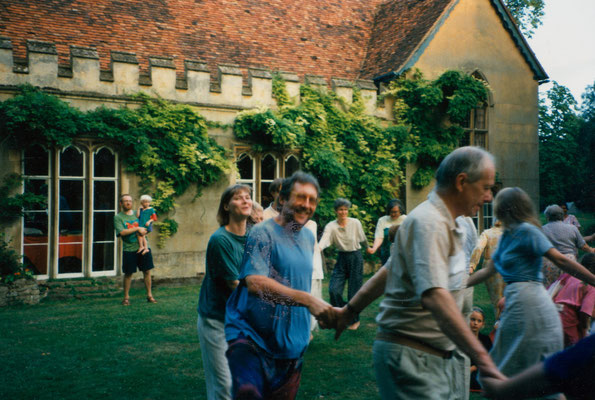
[(21, 291)]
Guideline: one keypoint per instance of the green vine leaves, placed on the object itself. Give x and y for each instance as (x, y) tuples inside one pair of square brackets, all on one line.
[(167, 145)]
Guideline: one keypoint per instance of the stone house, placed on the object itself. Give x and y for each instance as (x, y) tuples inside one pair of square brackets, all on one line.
[(217, 57)]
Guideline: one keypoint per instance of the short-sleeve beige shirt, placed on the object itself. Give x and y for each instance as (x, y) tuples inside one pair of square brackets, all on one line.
[(426, 254), (348, 238)]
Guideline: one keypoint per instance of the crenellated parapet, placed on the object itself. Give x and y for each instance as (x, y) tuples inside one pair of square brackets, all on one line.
[(232, 87)]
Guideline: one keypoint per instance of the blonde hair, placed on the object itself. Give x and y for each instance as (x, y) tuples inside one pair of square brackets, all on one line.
[(146, 197), (513, 206)]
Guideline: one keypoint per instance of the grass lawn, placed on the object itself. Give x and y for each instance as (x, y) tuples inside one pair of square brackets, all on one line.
[(96, 349)]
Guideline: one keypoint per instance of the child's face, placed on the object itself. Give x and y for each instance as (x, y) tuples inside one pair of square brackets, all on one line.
[(145, 203), (476, 322)]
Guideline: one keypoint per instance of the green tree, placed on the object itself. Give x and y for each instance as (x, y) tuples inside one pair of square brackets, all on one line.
[(586, 198), (562, 161), (527, 14)]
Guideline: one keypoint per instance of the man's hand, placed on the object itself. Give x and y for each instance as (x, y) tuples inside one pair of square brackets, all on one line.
[(344, 319), (141, 230), (322, 311)]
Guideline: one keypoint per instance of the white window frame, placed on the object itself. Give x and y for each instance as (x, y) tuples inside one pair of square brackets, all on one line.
[(91, 241), (48, 181)]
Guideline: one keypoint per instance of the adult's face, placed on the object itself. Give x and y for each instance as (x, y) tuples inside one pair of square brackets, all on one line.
[(395, 212), (240, 204), (474, 194), (301, 205), (126, 203), (342, 213)]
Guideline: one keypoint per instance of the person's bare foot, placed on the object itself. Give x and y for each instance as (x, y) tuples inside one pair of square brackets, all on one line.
[(126, 302), (150, 299), (145, 251), (353, 326), (140, 250)]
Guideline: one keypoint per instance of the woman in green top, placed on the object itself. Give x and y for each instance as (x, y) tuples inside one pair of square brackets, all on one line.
[(224, 255)]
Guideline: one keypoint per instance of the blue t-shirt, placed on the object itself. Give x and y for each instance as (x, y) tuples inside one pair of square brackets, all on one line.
[(285, 256), (519, 252)]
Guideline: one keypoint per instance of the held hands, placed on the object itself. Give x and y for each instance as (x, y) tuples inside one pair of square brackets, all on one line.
[(141, 230), (336, 318)]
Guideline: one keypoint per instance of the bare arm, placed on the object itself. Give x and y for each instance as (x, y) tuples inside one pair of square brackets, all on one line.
[(481, 275), (272, 291), (589, 238), (529, 383), (375, 245), (444, 309), (130, 231), (370, 291), (588, 249), (232, 284), (570, 266), (477, 252)]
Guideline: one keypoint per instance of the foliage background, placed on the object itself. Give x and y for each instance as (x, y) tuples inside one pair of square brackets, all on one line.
[(165, 144), (357, 156)]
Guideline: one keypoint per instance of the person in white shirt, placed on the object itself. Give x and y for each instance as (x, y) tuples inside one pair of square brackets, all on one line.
[(347, 235)]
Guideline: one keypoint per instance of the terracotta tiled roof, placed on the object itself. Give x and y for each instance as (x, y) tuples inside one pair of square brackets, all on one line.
[(399, 28), (332, 38), (326, 38)]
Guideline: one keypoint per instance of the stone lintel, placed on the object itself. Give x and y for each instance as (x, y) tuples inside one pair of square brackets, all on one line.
[(261, 73), (289, 76), (144, 79), (20, 66), (230, 69), (366, 84), (181, 83), (65, 71), (37, 46), (341, 82), (5, 43), (196, 65), (123, 57), (315, 80), (106, 76), (84, 52), (162, 62)]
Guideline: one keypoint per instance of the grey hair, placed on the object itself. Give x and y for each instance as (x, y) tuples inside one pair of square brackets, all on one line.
[(470, 160), (554, 213), (341, 202)]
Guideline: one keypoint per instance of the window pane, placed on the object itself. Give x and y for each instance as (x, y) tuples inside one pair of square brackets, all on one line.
[(479, 139), (104, 164), (35, 224), (103, 257), (71, 226), (70, 258), (465, 140), (36, 161), (268, 167), (38, 187), (480, 118), (265, 197), (104, 195), (35, 255), (103, 226), (71, 162), (71, 195), (467, 122), (291, 165), (245, 168)]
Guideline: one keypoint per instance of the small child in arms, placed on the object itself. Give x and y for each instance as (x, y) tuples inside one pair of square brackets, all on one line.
[(146, 216)]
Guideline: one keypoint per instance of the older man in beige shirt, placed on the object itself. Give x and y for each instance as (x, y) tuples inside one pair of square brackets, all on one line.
[(420, 323)]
